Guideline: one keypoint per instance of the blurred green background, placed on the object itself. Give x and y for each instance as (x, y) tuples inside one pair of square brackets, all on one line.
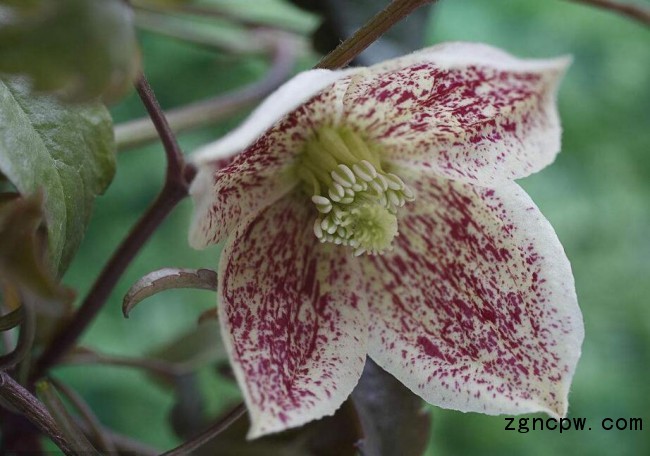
[(596, 195)]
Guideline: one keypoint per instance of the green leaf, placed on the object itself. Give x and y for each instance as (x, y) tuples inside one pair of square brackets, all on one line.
[(67, 152), (393, 419), (77, 49)]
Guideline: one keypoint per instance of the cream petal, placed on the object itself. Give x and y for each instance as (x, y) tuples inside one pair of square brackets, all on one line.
[(475, 308), (293, 322)]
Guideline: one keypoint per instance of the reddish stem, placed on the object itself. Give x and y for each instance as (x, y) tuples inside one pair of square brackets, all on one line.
[(173, 191), (370, 32)]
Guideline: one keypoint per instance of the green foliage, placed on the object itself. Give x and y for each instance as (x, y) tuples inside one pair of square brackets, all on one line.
[(65, 152), (78, 49)]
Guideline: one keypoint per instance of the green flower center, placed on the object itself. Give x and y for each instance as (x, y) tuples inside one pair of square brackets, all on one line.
[(356, 200)]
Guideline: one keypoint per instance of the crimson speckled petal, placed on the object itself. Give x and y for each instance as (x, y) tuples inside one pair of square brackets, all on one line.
[(475, 309), (467, 111), (293, 322)]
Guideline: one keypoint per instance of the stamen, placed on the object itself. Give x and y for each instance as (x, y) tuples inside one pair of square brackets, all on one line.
[(318, 231), (322, 204), (335, 146), (365, 170), (359, 146), (356, 200), (344, 176), (394, 182)]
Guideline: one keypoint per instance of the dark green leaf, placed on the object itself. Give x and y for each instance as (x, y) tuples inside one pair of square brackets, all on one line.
[(67, 152), (393, 418), (78, 49)]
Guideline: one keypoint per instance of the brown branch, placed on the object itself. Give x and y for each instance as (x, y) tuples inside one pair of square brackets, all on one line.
[(95, 431), (174, 154), (195, 115), (637, 12), (213, 431), (34, 410), (370, 32), (174, 190), (163, 368)]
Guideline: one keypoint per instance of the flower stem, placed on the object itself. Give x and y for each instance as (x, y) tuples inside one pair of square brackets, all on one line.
[(25, 403), (174, 154), (370, 32), (173, 191)]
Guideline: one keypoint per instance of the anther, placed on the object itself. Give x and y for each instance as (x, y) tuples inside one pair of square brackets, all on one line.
[(318, 231), (342, 178), (393, 198), (382, 181), (322, 204), (394, 182), (365, 170), (408, 193)]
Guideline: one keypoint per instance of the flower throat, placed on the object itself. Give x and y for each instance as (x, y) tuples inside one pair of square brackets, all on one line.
[(356, 199)]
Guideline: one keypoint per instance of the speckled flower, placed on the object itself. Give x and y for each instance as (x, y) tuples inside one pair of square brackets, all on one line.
[(373, 211)]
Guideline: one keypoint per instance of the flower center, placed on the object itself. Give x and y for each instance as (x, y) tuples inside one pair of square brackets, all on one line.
[(355, 198)]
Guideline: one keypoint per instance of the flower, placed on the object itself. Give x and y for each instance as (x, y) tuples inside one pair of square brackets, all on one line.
[(372, 211)]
